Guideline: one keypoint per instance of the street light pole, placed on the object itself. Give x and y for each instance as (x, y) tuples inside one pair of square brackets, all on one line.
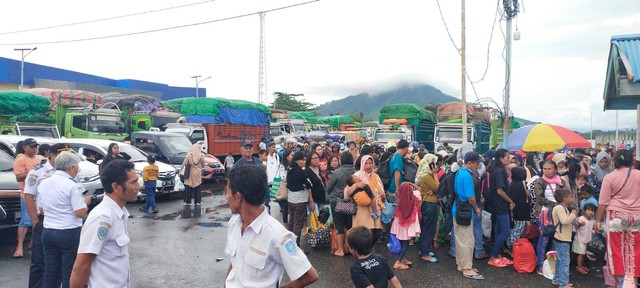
[(22, 62), (198, 82)]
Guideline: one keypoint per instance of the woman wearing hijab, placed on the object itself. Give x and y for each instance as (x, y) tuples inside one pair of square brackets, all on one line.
[(520, 195), (368, 205), (406, 221), (603, 161), (194, 162), (427, 179), (113, 152), (545, 187)]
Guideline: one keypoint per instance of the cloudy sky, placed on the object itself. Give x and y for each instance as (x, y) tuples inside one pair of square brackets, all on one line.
[(333, 48)]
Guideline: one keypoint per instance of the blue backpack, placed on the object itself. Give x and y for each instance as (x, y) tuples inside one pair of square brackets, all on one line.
[(394, 245)]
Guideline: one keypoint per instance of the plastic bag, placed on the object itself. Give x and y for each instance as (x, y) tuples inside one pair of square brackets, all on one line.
[(524, 257), (486, 224), (394, 245), (549, 265), (596, 245), (387, 213), (179, 185)]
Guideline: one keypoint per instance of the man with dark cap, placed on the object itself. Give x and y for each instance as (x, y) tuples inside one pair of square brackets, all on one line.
[(32, 188), (246, 149), (21, 167)]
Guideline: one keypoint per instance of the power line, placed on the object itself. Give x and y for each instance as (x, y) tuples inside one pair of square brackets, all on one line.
[(495, 19), (447, 27), (156, 30), (104, 19)]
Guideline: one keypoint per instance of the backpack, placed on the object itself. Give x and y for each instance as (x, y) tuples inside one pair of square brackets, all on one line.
[(446, 190), (548, 227), (524, 257), (384, 173), (394, 245)]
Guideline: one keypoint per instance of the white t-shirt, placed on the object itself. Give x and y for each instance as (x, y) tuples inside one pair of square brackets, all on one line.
[(273, 163), (229, 161), (60, 198), (262, 253), (548, 194)]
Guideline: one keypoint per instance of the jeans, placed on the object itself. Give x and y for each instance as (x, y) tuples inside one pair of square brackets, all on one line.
[(541, 247), (36, 271), (448, 223), (428, 227), (60, 250), (197, 194), (150, 195), (502, 232), (477, 236), (562, 264), (404, 246), (340, 221)]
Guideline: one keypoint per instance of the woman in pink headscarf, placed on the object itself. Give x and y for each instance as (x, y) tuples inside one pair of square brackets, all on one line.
[(369, 206), (406, 222)]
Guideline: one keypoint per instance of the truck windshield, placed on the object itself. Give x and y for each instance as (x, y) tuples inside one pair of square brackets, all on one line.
[(299, 128), (451, 136), (275, 131), (45, 132), (106, 124), (161, 122), (389, 136), (176, 145)]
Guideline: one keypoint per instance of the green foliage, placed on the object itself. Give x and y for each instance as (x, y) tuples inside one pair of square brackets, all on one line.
[(357, 117), (290, 102)]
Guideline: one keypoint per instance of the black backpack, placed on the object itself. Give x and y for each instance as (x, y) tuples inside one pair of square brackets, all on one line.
[(384, 173), (446, 190)]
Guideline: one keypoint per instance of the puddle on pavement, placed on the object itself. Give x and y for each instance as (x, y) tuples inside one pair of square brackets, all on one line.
[(210, 224), (213, 217)]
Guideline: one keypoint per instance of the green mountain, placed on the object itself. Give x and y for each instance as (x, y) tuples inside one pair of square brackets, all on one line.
[(370, 105)]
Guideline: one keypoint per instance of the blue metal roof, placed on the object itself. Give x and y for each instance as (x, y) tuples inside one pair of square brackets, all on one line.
[(629, 46)]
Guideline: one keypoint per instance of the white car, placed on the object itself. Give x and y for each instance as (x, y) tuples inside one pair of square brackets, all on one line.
[(96, 149), (89, 175)]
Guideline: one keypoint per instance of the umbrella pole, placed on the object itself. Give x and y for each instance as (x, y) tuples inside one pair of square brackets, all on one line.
[(637, 132)]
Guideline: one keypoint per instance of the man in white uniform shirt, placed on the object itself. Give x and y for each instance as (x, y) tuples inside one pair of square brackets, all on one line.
[(103, 254), (258, 246), (65, 207), (36, 212)]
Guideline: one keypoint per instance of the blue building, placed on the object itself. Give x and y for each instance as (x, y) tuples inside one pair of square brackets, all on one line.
[(40, 76)]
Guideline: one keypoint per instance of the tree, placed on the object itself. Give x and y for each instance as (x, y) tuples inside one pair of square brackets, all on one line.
[(357, 117), (290, 102)]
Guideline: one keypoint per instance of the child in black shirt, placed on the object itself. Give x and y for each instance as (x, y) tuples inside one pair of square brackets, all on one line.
[(370, 270)]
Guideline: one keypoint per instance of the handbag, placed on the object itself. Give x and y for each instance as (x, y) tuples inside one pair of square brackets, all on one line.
[(283, 192), (410, 170), (185, 170), (346, 207), (275, 185), (318, 234), (464, 212)]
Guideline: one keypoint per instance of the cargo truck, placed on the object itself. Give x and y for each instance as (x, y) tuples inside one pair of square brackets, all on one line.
[(478, 133), (410, 117)]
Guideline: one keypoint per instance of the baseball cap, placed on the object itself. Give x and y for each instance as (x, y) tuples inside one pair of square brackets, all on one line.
[(471, 157), (30, 141), (59, 147), (271, 144), (246, 143)]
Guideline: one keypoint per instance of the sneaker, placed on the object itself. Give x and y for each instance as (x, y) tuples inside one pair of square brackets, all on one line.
[(142, 210), (155, 211)]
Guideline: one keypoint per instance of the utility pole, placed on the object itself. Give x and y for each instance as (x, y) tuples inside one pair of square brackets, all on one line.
[(463, 86), (617, 143), (511, 10), (262, 73)]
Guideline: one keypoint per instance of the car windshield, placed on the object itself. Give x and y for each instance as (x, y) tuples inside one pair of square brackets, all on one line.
[(176, 145), (135, 153), (106, 124), (6, 161)]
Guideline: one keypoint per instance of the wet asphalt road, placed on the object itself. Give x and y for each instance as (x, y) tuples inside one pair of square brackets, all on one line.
[(178, 247)]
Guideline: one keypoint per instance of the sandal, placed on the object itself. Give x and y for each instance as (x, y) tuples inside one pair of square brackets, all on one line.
[(400, 267), (473, 276), (460, 269), (484, 255), (15, 255), (506, 261), (582, 271), (430, 259), (497, 263)]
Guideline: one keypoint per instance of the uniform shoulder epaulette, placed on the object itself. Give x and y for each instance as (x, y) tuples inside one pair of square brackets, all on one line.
[(39, 166)]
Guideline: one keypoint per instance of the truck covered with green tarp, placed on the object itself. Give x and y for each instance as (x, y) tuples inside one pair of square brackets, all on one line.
[(337, 120), (420, 122), (309, 117), (23, 113)]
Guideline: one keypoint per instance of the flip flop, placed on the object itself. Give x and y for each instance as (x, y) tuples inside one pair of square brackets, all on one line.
[(473, 277), (18, 255), (431, 254), (401, 267), (506, 261), (460, 270), (483, 256)]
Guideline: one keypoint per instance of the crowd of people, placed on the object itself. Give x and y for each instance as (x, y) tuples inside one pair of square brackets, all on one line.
[(558, 201), (498, 198)]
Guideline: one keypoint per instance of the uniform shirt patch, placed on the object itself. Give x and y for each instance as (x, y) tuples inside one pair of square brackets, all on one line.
[(32, 179), (291, 247), (103, 230)]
